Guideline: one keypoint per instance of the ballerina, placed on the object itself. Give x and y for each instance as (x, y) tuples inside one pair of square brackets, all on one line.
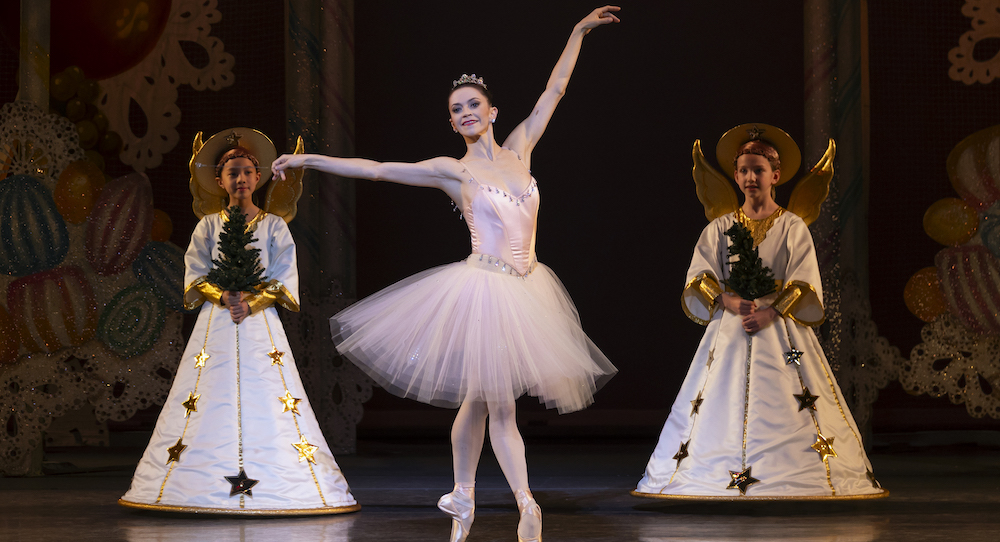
[(480, 333)]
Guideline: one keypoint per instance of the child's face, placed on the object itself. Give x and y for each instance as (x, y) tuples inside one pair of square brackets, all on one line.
[(239, 178), (755, 176)]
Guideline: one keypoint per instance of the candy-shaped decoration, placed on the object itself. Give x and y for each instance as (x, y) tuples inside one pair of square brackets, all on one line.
[(950, 221), (922, 295), (77, 190), (970, 282), (53, 309), (34, 236), (163, 227), (161, 267), (132, 321), (120, 224), (974, 168), (989, 229), (10, 343)]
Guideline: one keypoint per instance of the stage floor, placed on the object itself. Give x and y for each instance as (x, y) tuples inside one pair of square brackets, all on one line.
[(937, 493)]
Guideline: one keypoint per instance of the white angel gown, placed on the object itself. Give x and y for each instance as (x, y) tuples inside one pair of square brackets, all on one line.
[(491, 328), (236, 434), (761, 418)]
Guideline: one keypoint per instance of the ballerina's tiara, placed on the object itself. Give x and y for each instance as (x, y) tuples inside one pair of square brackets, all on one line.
[(465, 79)]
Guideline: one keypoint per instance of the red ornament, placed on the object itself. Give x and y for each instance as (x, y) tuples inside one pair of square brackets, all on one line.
[(53, 309), (120, 224)]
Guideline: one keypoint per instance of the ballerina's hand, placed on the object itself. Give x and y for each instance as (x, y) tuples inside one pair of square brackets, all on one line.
[(599, 16), (287, 161)]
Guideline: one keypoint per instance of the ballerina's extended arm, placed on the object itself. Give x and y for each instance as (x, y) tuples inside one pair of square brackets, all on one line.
[(524, 137)]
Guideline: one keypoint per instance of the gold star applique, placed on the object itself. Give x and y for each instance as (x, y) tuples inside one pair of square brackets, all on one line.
[(696, 404), (806, 399), (201, 358), (824, 446), (793, 356), (233, 139), (276, 357), (711, 358), (741, 480), (175, 451), (289, 403), (755, 132), (682, 452), (871, 478), (241, 484), (191, 404), (306, 450)]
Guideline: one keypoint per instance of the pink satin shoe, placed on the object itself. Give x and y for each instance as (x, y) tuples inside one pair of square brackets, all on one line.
[(460, 504), (529, 529)]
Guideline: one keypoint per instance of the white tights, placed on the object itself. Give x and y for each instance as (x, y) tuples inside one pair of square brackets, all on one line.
[(469, 432)]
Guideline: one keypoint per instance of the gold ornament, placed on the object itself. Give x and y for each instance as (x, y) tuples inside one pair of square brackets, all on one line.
[(276, 357), (201, 358), (824, 446), (191, 404), (951, 221), (305, 449), (289, 403), (175, 451), (696, 404)]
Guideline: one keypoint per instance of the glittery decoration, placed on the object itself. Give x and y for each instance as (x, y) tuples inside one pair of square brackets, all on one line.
[(175, 451), (306, 450), (191, 403), (120, 224), (289, 403), (132, 321), (755, 132), (965, 67), (241, 485), (954, 362), (152, 83), (741, 480), (57, 363), (161, 266), (806, 399), (793, 356), (35, 237), (824, 446), (970, 281), (233, 139), (696, 404)]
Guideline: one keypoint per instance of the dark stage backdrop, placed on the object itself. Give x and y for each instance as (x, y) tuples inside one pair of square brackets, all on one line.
[(619, 215)]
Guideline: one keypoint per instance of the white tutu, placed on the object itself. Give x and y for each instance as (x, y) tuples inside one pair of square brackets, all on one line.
[(472, 330)]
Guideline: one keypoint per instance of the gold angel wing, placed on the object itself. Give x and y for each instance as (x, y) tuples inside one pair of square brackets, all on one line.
[(283, 195), (811, 191), (715, 191), (206, 201)]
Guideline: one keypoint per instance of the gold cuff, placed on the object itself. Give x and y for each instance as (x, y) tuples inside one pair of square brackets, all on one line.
[(709, 287), (269, 293), (200, 291), (800, 302)]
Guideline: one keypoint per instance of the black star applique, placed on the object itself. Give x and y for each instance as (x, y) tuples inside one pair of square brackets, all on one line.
[(741, 480), (241, 484), (806, 399), (793, 356), (682, 452)]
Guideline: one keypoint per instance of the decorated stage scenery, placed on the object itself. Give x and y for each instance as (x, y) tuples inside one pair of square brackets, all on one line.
[(100, 103)]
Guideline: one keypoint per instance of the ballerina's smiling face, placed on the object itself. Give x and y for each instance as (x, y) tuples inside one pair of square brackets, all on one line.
[(471, 112)]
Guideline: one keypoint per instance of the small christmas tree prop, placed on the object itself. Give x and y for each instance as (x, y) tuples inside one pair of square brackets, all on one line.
[(748, 276), (238, 268)]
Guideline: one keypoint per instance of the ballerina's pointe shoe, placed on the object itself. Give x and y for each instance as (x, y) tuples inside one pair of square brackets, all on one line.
[(529, 529), (460, 504)]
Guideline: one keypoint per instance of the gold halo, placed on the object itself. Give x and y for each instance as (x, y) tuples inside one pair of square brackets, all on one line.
[(788, 151), (208, 156)]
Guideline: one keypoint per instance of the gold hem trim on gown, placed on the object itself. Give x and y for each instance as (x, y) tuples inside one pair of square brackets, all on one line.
[(241, 511)]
